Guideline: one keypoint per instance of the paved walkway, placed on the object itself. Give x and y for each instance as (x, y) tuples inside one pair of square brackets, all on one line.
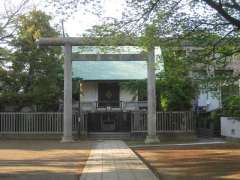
[(113, 160)]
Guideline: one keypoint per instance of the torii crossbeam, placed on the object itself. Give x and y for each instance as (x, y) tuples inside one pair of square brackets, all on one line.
[(67, 43)]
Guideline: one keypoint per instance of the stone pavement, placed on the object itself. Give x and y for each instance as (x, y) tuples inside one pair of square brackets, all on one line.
[(114, 160)]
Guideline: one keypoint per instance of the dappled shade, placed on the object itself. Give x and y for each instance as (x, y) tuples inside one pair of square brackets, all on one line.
[(206, 162), (42, 159)]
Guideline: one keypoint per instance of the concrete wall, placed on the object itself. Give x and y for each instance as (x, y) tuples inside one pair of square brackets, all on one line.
[(230, 127)]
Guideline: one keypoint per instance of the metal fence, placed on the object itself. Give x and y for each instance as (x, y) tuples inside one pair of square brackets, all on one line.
[(208, 126), (167, 122), (33, 123), (52, 122)]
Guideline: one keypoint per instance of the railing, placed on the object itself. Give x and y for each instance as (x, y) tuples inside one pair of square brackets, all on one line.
[(52, 122), (167, 122), (34, 123), (113, 105), (109, 121), (138, 122), (109, 104)]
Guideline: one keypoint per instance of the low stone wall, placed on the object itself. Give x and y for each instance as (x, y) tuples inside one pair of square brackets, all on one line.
[(230, 127)]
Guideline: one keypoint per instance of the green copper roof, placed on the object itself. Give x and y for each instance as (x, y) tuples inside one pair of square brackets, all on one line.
[(112, 70), (106, 49), (109, 70)]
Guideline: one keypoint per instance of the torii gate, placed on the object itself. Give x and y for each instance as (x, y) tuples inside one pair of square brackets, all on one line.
[(68, 42)]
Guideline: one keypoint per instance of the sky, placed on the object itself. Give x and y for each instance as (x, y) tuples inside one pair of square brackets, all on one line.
[(79, 21)]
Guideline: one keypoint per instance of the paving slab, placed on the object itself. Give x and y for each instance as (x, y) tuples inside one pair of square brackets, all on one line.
[(114, 160)]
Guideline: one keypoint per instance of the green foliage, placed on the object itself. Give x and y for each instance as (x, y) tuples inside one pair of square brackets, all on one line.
[(208, 24), (229, 90), (211, 61), (36, 74), (175, 86), (76, 89), (174, 17), (150, 38), (231, 106), (175, 89), (176, 94), (110, 34), (137, 87)]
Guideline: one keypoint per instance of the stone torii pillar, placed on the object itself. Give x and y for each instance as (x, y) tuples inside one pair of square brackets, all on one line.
[(151, 95), (67, 117)]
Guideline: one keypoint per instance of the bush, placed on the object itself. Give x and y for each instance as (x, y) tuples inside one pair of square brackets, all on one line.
[(231, 106)]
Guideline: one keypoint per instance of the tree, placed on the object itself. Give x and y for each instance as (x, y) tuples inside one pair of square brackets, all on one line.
[(176, 88), (64, 9), (229, 10), (174, 18), (194, 12), (35, 76), (185, 13), (181, 19), (8, 25), (8, 19)]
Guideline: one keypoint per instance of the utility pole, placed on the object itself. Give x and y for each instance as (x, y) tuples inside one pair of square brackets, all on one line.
[(63, 30)]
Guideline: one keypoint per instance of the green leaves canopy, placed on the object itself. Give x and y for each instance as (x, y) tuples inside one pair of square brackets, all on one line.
[(35, 75), (175, 86)]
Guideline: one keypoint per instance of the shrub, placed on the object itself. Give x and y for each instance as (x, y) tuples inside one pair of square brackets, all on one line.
[(231, 106)]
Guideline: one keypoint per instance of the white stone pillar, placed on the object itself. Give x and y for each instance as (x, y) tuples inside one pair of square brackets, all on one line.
[(67, 121), (151, 88)]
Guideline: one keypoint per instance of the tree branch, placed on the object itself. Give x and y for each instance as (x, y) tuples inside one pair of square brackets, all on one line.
[(10, 17), (232, 6), (219, 8)]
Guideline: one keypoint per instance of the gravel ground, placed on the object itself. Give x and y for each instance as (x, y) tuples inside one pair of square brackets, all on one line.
[(198, 162), (42, 160)]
